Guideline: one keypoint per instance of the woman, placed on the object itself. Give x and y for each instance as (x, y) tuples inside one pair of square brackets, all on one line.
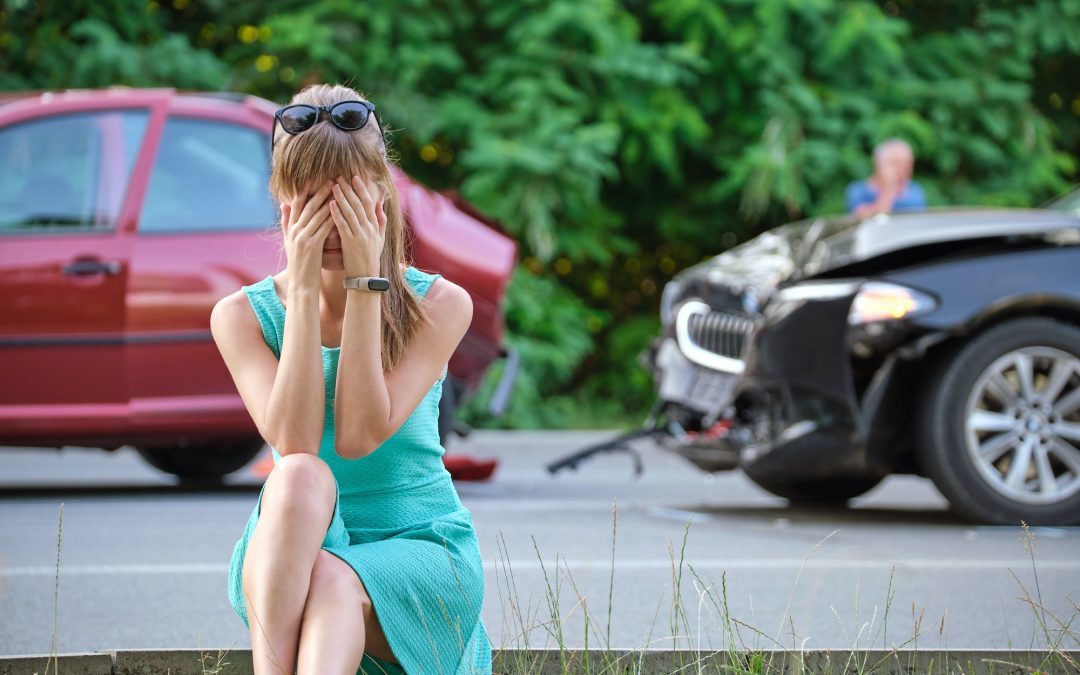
[(358, 553)]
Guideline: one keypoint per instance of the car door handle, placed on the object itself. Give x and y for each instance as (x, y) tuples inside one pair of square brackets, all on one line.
[(87, 267)]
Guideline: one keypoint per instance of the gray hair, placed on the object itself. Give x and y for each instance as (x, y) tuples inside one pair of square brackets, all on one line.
[(888, 144)]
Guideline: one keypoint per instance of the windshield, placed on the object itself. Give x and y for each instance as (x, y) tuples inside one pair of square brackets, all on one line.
[(1070, 202)]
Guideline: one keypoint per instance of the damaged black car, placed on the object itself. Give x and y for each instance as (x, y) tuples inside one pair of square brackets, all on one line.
[(824, 355)]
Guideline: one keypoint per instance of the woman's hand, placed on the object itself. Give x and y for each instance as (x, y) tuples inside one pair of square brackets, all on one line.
[(357, 211), (306, 223)]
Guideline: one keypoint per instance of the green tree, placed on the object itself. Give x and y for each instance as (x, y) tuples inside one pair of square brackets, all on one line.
[(620, 141)]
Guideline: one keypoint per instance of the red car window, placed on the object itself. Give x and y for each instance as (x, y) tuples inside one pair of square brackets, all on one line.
[(54, 174), (208, 176)]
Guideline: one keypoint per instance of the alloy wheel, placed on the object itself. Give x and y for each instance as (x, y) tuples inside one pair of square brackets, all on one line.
[(1022, 425)]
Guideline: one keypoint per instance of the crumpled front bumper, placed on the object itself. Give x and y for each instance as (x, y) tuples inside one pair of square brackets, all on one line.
[(795, 405)]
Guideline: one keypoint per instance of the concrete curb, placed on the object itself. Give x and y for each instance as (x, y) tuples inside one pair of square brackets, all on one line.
[(68, 664), (549, 661)]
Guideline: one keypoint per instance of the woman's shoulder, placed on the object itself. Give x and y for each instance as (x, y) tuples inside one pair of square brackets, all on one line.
[(421, 280), (445, 302), (232, 315), (448, 303)]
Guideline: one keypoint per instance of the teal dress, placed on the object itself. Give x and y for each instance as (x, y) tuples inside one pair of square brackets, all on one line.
[(399, 523)]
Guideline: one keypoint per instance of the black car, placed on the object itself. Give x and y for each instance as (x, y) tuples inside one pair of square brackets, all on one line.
[(824, 355)]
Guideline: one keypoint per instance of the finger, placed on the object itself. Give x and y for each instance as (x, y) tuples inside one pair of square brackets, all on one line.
[(327, 224), (366, 198), (357, 198), (296, 205), (312, 205), (348, 209), (317, 219), (382, 201), (296, 212), (285, 217), (322, 198), (363, 200), (380, 213), (338, 217), (353, 200)]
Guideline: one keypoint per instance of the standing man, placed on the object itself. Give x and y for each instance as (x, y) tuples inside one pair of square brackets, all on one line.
[(891, 187)]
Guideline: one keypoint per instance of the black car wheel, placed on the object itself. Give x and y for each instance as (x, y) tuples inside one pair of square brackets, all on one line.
[(204, 460), (1000, 432), (834, 490)]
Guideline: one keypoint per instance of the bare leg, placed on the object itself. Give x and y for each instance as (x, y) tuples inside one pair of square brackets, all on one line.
[(332, 631), (296, 508), (339, 621)]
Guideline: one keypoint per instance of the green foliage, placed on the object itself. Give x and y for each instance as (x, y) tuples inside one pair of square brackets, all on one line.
[(94, 44), (548, 326), (620, 141)]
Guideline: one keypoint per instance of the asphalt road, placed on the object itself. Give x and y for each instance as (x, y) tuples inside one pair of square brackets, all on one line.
[(143, 562)]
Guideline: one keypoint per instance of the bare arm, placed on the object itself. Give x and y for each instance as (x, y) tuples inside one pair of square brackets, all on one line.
[(296, 405), (369, 407), (362, 401), (285, 397)]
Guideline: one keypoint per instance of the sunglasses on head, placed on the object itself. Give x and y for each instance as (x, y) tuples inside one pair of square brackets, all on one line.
[(345, 115)]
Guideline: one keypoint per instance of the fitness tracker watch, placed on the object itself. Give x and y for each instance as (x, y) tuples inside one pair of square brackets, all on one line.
[(368, 283)]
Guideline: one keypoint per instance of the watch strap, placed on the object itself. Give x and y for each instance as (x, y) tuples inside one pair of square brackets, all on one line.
[(368, 283)]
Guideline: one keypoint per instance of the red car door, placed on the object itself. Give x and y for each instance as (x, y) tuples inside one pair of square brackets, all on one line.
[(204, 230), (64, 267)]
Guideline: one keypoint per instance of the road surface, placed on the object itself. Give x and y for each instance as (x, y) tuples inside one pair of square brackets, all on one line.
[(143, 562)]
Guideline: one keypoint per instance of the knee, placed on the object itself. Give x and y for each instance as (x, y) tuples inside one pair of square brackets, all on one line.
[(330, 574), (300, 480)]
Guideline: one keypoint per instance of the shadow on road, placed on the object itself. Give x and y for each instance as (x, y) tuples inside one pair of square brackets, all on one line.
[(117, 489), (814, 514)]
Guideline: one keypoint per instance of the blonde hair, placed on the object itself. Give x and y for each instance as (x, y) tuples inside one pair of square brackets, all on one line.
[(322, 153)]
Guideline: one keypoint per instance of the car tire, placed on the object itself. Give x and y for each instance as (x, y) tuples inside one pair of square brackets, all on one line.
[(834, 490), (204, 460), (965, 423)]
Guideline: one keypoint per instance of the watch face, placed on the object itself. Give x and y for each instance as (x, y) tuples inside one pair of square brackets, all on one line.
[(378, 284)]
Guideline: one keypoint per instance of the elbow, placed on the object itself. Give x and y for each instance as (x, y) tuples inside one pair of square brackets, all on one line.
[(285, 444), (289, 448), (351, 452), (356, 444), (354, 449)]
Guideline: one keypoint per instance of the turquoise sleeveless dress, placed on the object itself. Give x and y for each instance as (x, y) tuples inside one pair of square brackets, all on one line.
[(399, 523)]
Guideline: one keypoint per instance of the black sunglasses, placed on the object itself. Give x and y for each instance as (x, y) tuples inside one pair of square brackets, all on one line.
[(345, 115)]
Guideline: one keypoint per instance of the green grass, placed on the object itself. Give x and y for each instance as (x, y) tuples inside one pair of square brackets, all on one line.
[(696, 653), (741, 648), (54, 662)]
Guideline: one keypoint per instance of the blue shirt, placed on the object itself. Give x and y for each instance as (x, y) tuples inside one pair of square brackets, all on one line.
[(862, 192)]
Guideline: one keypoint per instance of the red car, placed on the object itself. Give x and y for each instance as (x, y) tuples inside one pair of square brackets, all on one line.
[(125, 215)]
